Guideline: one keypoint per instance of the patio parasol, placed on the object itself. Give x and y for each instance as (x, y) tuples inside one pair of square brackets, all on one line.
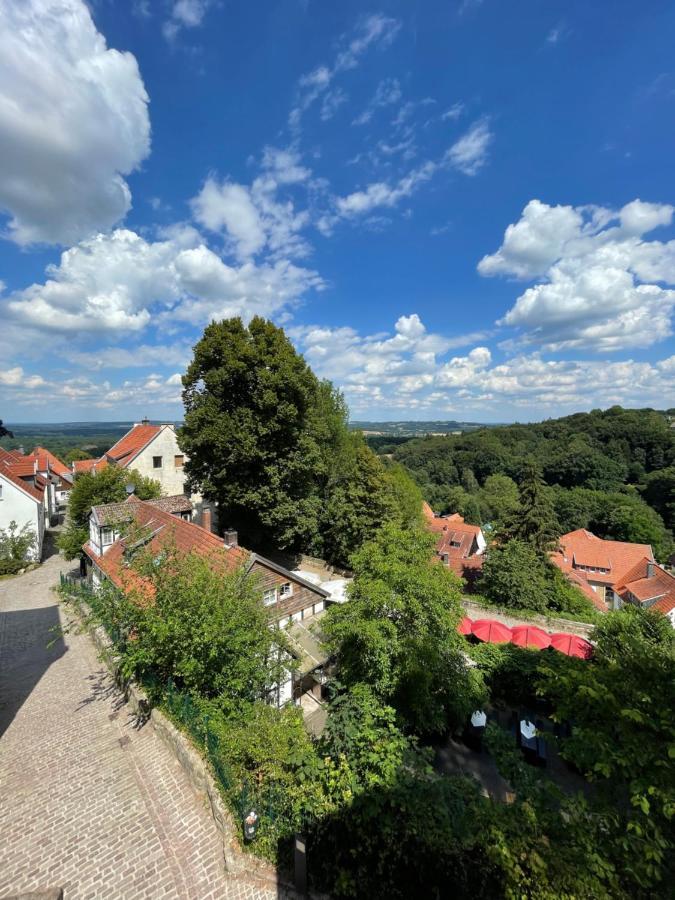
[(530, 636), (572, 645), (491, 631)]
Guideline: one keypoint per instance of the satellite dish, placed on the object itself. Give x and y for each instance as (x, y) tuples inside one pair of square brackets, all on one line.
[(129, 488)]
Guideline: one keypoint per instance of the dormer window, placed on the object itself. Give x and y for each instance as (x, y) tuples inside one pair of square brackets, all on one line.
[(107, 536)]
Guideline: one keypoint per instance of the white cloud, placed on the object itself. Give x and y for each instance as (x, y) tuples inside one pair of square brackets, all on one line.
[(184, 14), (406, 372), (229, 207), (469, 153), (73, 122), (453, 113), (373, 30), (122, 282), (332, 101), (381, 194), (603, 285), (253, 218), (387, 93)]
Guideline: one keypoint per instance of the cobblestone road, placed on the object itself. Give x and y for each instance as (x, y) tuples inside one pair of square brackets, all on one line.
[(88, 802)]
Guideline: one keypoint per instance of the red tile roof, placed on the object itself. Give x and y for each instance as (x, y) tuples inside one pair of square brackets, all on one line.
[(88, 465), (32, 491), (132, 443), (167, 531), (22, 469), (583, 548), (44, 456)]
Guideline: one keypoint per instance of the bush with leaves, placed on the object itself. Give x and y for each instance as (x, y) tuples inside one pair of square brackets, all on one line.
[(398, 632), (18, 544), (622, 704)]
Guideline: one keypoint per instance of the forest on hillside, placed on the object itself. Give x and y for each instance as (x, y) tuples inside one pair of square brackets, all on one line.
[(611, 471)]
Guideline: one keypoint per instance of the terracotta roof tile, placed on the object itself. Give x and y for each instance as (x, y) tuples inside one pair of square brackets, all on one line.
[(132, 443), (44, 456), (88, 465), (168, 531), (25, 486)]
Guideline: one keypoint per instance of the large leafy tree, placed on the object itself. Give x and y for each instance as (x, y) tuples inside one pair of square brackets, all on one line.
[(4, 431), (534, 520), (398, 633), (94, 489), (622, 704), (269, 443), (251, 431)]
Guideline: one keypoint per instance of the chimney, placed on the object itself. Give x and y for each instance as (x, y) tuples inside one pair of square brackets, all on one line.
[(230, 537), (650, 569), (145, 421), (206, 519)]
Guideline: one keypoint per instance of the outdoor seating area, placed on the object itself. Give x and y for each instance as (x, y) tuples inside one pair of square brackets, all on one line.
[(528, 636)]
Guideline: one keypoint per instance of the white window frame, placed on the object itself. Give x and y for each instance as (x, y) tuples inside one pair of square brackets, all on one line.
[(270, 597), (109, 533), (285, 590)]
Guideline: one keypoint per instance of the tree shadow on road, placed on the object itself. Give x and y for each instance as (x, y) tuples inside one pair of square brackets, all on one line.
[(30, 641)]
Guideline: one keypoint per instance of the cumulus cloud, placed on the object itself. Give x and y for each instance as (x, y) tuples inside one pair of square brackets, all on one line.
[(602, 286), (373, 30), (253, 218), (121, 282), (73, 122), (409, 371)]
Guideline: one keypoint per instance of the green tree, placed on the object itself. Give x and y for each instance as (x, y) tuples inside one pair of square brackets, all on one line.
[(5, 432), (398, 633), (534, 521), (205, 628), (622, 704), (498, 498), (17, 543), (360, 498), (659, 492), (514, 575), (94, 489), (252, 433), (75, 454)]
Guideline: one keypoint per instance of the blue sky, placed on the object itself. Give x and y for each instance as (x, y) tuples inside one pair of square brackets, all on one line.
[(456, 209)]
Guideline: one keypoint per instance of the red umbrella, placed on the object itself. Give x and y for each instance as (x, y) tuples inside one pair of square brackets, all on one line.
[(464, 626), (530, 636), (572, 645), (491, 631)]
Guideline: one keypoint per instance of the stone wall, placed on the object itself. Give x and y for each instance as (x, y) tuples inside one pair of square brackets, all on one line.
[(510, 617)]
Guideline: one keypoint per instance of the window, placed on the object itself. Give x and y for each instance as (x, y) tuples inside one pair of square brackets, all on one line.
[(0, 492), (106, 536), (179, 459), (156, 462), (285, 590), (270, 597), (455, 543)]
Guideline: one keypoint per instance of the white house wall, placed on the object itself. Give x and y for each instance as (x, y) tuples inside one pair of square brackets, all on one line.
[(16, 506), (171, 477)]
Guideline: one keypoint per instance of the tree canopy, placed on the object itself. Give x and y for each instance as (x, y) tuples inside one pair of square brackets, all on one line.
[(269, 443)]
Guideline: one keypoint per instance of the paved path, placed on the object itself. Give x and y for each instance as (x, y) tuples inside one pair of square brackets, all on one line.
[(88, 802)]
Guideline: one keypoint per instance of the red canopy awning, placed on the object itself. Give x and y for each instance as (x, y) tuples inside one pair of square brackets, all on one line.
[(572, 645), (530, 636), (491, 631), (465, 625)]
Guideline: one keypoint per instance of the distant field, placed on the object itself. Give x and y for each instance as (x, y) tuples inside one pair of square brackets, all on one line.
[(415, 429)]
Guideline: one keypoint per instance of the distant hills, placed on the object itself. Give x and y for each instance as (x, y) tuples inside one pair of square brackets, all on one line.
[(416, 429)]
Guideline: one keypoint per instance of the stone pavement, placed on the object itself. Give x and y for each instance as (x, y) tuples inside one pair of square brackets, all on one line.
[(89, 802)]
